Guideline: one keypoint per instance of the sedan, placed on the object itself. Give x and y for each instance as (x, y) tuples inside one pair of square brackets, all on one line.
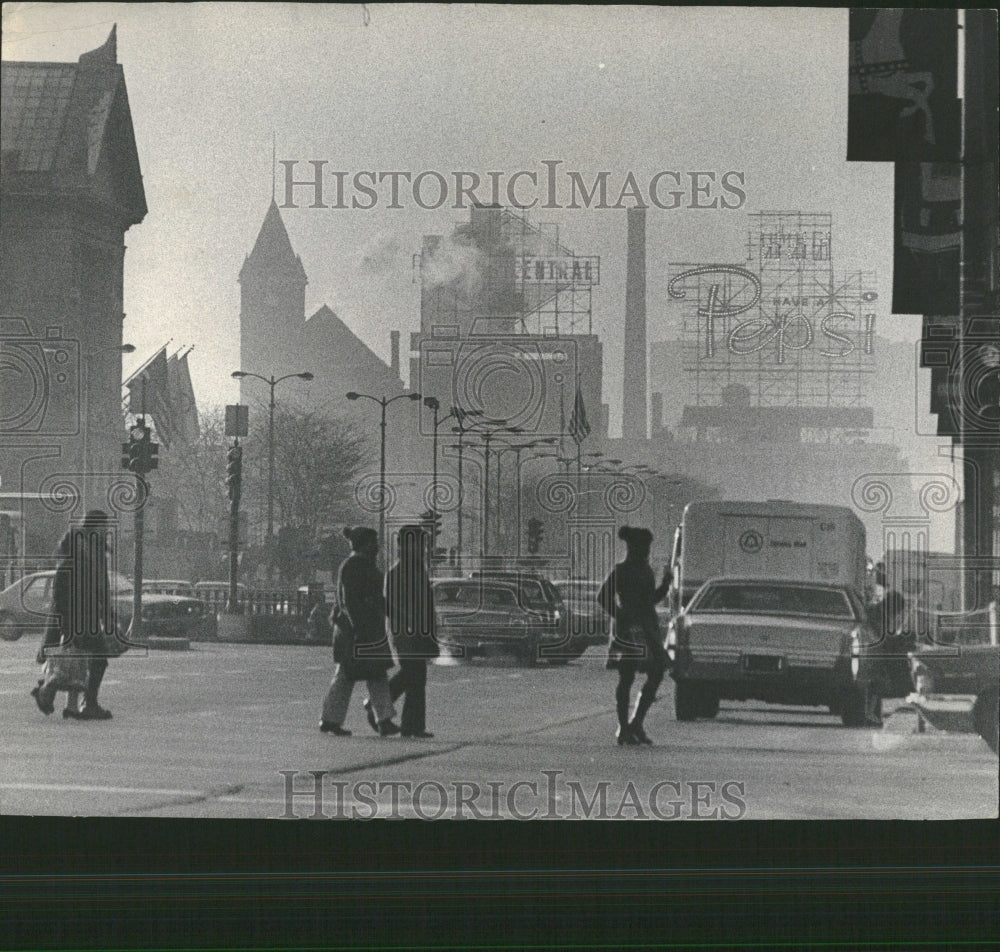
[(26, 605), (775, 641), (476, 616)]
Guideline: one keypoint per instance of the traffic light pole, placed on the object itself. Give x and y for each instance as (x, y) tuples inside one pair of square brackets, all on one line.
[(142, 493), (235, 467)]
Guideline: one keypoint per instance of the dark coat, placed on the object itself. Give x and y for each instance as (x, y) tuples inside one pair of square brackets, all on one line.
[(629, 596), (82, 606), (359, 592), (409, 603)]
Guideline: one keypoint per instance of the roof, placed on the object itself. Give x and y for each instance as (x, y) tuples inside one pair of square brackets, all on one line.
[(71, 123), (326, 335), (273, 248)]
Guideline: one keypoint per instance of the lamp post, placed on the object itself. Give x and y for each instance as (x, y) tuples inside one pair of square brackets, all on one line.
[(383, 402), (488, 435), (272, 382), (458, 414)]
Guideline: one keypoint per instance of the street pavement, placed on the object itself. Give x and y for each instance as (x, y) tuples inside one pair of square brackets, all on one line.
[(227, 730)]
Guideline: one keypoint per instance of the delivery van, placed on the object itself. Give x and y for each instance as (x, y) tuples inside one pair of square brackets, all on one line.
[(776, 539)]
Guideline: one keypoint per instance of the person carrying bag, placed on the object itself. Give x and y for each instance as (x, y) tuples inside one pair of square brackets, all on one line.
[(361, 647)]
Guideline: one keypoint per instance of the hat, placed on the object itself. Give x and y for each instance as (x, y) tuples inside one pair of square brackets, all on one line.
[(359, 535)]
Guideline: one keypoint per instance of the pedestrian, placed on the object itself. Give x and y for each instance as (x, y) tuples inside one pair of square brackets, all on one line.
[(409, 603), (318, 627), (83, 609), (629, 596), (888, 672), (361, 645)]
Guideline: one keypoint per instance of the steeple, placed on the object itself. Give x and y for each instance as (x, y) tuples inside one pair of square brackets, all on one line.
[(272, 252)]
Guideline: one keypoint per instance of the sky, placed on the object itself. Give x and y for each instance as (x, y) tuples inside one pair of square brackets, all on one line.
[(443, 88)]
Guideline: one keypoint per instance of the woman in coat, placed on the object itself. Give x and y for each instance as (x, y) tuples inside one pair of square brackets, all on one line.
[(85, 618), (361, 646), (630, 596), (409, 602)]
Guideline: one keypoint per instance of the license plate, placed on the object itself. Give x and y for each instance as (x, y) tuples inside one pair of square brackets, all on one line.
[(762, 663)]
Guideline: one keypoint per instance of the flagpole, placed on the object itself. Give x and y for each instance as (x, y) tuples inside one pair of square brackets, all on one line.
[(135, 373)]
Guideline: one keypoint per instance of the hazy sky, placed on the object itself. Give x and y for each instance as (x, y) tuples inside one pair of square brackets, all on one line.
[(453, 88)]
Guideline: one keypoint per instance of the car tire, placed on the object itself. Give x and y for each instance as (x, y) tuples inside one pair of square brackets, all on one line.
[(688, 700), (985, 716), (527, 653), (8, 630), (861, 706), (709, 703)]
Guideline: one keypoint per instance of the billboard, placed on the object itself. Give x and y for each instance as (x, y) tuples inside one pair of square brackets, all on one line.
[(781, 328)]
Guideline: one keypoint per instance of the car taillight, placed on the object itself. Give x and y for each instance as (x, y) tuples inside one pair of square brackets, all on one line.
[(923, 680), (855, 646)]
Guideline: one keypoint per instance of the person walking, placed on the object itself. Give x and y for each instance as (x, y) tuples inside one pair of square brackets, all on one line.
[(360, 645), (629, 596), (85, 618), (409, 603)]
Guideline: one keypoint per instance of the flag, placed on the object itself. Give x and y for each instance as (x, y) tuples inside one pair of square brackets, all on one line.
[(903, 103), (183, 408), (579, 428), (149, 394)]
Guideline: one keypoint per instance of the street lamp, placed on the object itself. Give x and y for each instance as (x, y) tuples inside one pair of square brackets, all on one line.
[(272, 382), (383, 402), (518, 448), (488, 435), (458, 414)]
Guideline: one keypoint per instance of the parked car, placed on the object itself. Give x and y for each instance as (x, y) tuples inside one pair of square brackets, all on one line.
[(957, 677), (476, 615), (26, 606), (775, 641), (167, 586), (587, 622)]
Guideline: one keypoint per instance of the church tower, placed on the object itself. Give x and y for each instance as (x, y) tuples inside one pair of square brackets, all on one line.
[(272, 305)]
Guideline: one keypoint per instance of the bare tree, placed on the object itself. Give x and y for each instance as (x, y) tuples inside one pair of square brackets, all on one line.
[(194, 474), (316, 457)]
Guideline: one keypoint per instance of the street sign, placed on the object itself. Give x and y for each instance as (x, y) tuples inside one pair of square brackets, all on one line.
[(237, 420)]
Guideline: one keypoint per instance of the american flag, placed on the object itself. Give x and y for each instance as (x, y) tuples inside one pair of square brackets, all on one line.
[(579, 428)]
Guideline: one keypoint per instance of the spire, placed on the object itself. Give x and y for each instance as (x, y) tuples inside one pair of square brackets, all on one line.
[(273, 249), (105, 55)]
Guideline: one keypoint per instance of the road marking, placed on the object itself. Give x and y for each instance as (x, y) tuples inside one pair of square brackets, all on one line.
[(235, 672), (84, 788), (153, 677)]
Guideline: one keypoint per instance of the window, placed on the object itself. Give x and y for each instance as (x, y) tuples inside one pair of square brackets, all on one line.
[(776, 600)]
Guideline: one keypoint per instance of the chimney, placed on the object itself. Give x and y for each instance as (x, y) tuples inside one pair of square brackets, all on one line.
[(656, 424), (394, 351), (634, 407)]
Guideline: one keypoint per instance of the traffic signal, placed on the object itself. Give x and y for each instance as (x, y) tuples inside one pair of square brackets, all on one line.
[(535, 531), (139, 454), (234, 473)]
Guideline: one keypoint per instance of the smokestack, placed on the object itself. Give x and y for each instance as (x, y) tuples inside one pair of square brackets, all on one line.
[(634, 407), (394, 351), (656, 424)]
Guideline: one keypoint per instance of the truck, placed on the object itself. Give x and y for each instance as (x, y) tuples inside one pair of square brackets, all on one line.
[(777, 539)]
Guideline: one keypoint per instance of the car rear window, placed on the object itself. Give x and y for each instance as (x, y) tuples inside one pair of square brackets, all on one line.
[(775, 600)]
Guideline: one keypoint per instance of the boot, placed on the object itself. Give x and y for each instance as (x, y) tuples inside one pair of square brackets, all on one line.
[(625, 737), (635, 726)]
